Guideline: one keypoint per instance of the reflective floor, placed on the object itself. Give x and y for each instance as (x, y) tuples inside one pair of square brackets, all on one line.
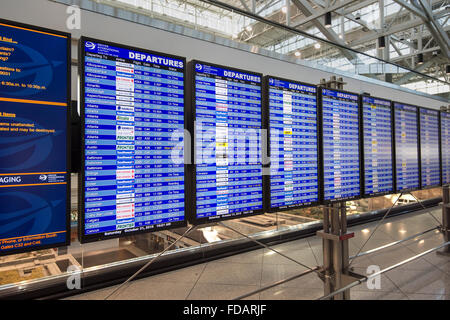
[(424, 278)]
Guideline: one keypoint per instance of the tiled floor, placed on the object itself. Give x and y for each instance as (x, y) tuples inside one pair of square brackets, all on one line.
[(425, 278)]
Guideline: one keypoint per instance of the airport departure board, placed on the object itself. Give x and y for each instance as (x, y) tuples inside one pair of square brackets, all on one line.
[(34, 102), (133, 119), (228, 122), (341, 155), (293, 144), (429, 148), (406, 147), (377, 146), (445, 147)]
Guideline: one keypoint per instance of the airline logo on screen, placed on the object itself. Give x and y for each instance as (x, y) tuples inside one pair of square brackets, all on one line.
[(90, 45)]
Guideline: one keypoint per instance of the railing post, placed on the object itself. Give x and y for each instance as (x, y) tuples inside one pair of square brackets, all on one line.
[(446, 217)]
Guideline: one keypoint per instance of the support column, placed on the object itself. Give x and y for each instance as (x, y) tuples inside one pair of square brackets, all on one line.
[(446, 218), (335, 270)]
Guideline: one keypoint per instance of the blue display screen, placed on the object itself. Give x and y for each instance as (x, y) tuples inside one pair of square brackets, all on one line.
[(33, 139), (293, 144), (429, 148), (378, 166), (228, 142), (406, 147), (133, 147), (340, 117), (445, 147)]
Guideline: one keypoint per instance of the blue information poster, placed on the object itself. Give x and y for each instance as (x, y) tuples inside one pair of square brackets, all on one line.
[(341, 156), (293, 144), (429, 148), (445, 147), (378, 148), (133, 141), (34, 96), (228, 166), (406, 147)]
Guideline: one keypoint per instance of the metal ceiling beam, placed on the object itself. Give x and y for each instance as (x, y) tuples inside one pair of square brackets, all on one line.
[(307, 10), (411, 8), (398, 28), (435, 28), (410, 75), (320, 13), (409, 55), (245, 5)]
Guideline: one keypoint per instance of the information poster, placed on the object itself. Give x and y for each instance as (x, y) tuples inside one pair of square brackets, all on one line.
[(34, 96), (378, 147), (429, 148), (406, 147), (133, 119), (341, 156), (228, 166), (293, 144), (445, 147)]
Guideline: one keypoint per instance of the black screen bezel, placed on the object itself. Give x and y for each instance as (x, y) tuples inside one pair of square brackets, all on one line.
[(395, 146), (440, 148), (266, 117), (352, 198), (422, 187), (68, 136), (193, 201), (363, 189), (81, 184)]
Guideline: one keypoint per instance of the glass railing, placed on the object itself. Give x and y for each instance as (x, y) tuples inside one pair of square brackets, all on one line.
[(40, 269)]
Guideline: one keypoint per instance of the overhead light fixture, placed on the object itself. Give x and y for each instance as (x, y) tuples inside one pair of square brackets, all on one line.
[(297, 53), (328, 20), (248, 28), (317, 45), (447, 69), (381, 42), (284, 9), (420, 58)]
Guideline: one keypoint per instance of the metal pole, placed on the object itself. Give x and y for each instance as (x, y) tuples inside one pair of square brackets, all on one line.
[(327, 252), (288, 12), (446, 215), (304, 273), (393, 243), (337, 250), (266, 246), (357, 282), (344, 244)]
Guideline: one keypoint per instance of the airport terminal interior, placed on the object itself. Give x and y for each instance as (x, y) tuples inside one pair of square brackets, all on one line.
[(225, 150)]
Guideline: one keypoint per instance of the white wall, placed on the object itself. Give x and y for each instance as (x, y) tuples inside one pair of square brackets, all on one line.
[(53, 15)]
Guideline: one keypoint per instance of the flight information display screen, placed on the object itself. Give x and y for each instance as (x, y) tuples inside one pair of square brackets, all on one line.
[(429, 148), (34, 97), (445, 147), (133, 140), (406, 147), (293, 144), (228, 174), (377, 146), (341, 156)]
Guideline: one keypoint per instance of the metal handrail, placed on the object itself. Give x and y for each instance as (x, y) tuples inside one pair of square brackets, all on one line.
[(376, 274)]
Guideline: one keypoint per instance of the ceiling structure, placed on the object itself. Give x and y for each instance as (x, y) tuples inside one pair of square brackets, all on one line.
[(389, 38)]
